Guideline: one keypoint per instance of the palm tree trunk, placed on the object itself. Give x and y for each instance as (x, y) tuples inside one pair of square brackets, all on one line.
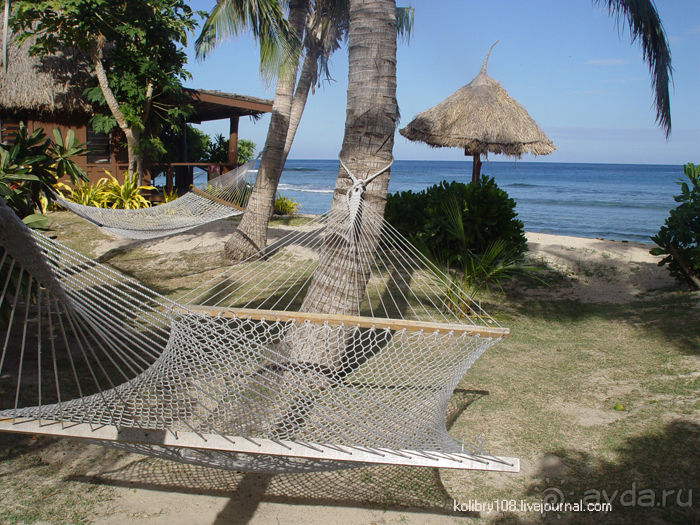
[(301, 95), (371, 118), (251, 234)]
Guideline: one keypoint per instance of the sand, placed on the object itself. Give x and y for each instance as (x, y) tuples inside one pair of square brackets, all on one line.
[(600, 270)]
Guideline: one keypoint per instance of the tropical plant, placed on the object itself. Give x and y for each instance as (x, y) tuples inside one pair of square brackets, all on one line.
[(486, 214), (197, 145), (467, 275), (286, 205), (246, 151), (126, 196), (217, 150), (169, 196), (30, 166), (678, 239), (136, 50), (85, 194)]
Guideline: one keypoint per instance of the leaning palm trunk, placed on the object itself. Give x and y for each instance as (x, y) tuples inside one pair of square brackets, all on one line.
[(251, 234), (133, 135)]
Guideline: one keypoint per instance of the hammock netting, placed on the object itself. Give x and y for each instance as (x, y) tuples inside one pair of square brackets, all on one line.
[(222, 197), (338, 346)]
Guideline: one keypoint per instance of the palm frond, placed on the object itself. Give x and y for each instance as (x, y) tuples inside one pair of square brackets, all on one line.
[(645, 25), (265, 19), (404, 23)]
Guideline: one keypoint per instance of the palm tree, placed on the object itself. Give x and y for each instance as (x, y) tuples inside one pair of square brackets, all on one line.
[(645, 25), (324, 28), (368, 142)]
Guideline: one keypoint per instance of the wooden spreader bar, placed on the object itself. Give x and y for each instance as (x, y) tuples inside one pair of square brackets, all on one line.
[(316, 451), (345, 320), (204, 194)]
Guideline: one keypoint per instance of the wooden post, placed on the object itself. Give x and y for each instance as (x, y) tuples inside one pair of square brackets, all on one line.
[(169, 178), (233, 142), (476, 169), (476, 165), (183, 141)]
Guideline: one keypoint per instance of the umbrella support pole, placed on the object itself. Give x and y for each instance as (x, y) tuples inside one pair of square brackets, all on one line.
[(476, 166)]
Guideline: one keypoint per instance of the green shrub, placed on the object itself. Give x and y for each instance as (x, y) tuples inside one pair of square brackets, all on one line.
[(679, 238), (286, 205), (85, 194), (487, 214), (30, 166)]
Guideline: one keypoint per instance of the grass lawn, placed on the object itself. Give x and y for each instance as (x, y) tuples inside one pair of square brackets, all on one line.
[(601, 402)]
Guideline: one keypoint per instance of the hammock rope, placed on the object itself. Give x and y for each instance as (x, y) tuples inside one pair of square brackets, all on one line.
[(220, 198), (250, 369)]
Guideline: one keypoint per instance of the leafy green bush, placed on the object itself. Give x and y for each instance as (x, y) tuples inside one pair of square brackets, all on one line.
[(487, 215), (30, 165), (679, 238), (85, 194)]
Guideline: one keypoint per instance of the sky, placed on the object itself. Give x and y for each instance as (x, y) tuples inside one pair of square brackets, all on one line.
[(565, 61)]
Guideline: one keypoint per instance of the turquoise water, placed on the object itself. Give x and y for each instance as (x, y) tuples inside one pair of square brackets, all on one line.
[(610, 201)]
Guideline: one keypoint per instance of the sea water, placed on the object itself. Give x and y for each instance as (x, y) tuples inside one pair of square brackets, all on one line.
[(609, 201)]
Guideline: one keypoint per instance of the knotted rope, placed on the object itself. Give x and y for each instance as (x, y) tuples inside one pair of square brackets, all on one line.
[(354, 193)]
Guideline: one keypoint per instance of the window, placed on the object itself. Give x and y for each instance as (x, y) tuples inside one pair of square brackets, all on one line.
[(8, 126), (99, 143)]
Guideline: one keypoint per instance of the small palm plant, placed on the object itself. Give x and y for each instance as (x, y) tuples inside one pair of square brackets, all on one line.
[(169, 196), (125, 196), (467, 276)]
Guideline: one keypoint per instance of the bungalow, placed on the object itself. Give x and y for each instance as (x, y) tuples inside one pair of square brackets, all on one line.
[(47, 93)]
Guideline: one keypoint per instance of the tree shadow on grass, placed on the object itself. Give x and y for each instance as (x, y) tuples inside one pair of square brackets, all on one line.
[(673, 318), (654, 478)]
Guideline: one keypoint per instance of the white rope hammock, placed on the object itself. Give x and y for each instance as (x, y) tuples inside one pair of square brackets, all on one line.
[(244, 372), (220, 198)]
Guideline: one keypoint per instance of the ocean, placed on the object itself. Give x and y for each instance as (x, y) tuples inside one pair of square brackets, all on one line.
[(608, 201)]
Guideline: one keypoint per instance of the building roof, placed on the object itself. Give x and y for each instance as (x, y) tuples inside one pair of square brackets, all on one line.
[(215, 105), (54, 85)]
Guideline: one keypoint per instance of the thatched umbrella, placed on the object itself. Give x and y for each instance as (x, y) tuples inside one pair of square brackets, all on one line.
[(481, 118)]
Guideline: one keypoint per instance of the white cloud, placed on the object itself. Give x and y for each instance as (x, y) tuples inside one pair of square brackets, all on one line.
[(607, 62)]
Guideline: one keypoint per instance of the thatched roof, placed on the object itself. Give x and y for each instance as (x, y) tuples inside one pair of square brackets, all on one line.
[(482, 118), (53, 84)]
